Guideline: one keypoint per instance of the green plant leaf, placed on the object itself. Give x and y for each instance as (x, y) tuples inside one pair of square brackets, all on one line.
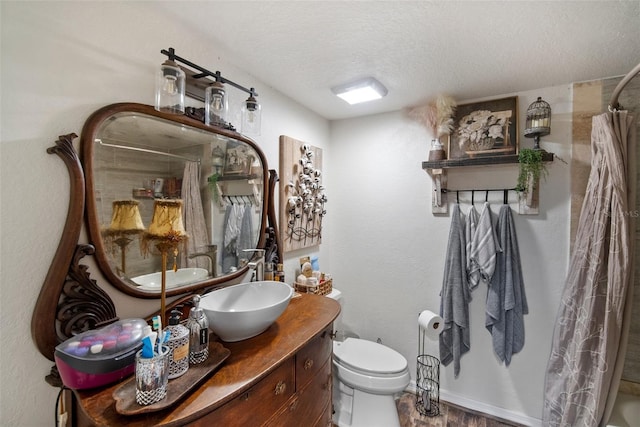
[(531, 168)]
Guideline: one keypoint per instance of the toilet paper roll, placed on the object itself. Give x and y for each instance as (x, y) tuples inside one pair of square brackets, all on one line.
[(430, 323)]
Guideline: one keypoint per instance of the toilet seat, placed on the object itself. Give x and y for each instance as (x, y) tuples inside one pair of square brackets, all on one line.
[(368, 357), (370, 367)]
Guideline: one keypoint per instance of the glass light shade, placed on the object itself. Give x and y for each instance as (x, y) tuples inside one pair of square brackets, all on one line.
[(126, 217), (170, 88), (251, 117), (167, 218), (216, 105)]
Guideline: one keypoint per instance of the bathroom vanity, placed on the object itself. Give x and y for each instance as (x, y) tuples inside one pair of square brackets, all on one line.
[(281, 377)]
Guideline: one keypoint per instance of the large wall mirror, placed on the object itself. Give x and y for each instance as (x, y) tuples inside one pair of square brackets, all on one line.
[(133, 157)]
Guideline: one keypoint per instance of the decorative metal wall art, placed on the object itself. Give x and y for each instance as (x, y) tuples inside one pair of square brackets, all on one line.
[(302, 197)]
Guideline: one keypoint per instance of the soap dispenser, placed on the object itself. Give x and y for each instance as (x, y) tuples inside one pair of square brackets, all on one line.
[(178, 345), (198, 326)]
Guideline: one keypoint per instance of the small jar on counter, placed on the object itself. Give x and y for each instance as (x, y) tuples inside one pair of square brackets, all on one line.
[(178, 346), (279, 276)]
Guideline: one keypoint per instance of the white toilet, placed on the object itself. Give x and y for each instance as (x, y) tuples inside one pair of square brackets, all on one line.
[(366, 375)]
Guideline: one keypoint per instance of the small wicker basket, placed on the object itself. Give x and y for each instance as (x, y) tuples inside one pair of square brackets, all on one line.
[(323, 288)]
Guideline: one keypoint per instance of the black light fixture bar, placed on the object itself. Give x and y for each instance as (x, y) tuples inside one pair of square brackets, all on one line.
[(204, 72)]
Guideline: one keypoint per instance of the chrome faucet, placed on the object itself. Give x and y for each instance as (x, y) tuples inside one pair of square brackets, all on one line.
[(257, 266), (212, 254)]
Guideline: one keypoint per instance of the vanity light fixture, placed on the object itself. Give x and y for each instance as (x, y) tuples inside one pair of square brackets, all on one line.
[(251, 115), (199, 83), (170, 86), (216, 104), (538, 122), (363, 90)]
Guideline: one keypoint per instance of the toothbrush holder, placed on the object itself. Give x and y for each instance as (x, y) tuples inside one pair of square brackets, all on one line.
[(152, 376)]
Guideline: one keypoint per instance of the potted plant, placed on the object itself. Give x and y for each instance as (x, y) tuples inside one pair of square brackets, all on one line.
[(532, 167)]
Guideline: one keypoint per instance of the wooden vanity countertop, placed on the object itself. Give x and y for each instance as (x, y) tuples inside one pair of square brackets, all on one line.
[(249, 362)]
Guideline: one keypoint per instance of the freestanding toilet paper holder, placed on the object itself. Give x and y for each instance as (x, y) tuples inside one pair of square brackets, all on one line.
[(427, 380)]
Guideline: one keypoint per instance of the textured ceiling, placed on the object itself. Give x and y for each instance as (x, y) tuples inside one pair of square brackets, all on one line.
[(417, 49)]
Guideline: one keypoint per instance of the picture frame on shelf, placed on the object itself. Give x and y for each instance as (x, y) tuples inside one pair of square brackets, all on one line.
[(485, 129), (237, 160)]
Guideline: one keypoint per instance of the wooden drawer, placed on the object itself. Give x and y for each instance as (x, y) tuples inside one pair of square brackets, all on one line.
[(258, 403), (326, 418), (311, 358), (309, 403)]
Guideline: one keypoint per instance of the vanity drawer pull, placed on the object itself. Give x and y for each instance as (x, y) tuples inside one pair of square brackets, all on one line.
[(327, 385), (308, 364), (245, 397), (281, 387)]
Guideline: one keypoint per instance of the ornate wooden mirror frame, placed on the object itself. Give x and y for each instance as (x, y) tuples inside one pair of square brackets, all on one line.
[(70, 301)]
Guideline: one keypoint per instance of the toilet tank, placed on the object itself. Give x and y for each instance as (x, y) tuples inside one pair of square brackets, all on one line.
[(341, 332)]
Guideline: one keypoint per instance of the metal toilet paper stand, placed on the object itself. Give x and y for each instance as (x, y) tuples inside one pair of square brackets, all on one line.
[(427, 380)]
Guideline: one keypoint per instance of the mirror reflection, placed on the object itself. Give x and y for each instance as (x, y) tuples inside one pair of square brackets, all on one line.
[(211, 183)]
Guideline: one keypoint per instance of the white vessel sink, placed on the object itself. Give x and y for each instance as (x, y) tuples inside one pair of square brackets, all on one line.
[(153, 281), (243, 311)]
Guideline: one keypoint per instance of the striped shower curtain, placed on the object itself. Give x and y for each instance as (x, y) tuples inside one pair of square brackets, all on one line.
[(584, 366)]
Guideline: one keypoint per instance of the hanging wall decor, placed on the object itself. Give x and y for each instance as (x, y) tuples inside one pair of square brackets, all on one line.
[(485, 129), (302, 198)]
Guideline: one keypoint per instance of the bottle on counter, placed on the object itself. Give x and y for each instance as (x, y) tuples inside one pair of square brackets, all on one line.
[(198, 326), (279, 276), (268, 271), (178, 346)]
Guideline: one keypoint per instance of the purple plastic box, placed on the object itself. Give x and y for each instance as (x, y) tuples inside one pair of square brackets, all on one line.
[(101, 356)]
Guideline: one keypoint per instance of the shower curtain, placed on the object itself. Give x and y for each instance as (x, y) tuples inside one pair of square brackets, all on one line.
[(582, 372), (194, 222)]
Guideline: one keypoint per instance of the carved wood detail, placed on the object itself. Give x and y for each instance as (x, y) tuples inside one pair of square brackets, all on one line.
[(43, 324), (83, 304), (273, 245)]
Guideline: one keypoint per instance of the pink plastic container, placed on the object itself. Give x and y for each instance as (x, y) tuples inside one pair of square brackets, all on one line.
[(101, 356)]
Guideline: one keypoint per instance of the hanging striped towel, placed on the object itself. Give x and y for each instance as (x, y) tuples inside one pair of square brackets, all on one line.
[(484, 247), (473, 270)]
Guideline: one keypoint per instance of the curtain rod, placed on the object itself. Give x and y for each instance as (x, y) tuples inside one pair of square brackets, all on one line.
[(613, 104), (145, 150)]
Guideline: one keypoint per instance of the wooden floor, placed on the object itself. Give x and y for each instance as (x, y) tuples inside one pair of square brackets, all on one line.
[(450, 416)]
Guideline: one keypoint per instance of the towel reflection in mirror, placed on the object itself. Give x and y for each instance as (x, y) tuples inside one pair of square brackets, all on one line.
[(238, 232)]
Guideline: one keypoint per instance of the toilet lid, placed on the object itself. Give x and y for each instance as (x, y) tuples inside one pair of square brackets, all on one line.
[(368, 356)]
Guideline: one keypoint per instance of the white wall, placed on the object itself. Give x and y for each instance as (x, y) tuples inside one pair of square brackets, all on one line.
[(388, 250), (60, 62)]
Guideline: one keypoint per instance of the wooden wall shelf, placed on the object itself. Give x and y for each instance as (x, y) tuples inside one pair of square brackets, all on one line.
[(437, 169), (478, 161)]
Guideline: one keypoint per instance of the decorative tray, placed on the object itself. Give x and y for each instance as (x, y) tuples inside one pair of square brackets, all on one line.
[(125, 395)]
